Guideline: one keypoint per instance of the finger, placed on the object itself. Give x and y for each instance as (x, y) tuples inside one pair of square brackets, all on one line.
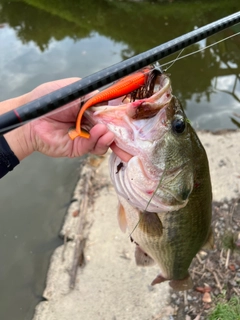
[(103, 139), (66, 113), (123, 155), (98, 143), (51, 86), (103, 143)]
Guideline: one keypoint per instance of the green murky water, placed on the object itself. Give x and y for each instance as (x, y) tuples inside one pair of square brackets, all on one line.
[(46, 40)]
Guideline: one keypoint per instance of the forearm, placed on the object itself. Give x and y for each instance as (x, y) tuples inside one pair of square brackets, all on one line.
[(17, 139)]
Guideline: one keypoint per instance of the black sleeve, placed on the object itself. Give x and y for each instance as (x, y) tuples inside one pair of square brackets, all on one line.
[(8, 160)]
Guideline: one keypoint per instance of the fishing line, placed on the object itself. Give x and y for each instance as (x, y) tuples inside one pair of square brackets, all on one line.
[(199, 50), (130, 235), (155, 190), (148, 203), (173, 61)]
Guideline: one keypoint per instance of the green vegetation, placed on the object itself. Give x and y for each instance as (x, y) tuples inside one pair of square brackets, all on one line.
[(226, 310), (228, 240)]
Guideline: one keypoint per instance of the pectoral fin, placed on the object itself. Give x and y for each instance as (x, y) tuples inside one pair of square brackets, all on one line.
[(142, 258), (122, 220), (150, 224)]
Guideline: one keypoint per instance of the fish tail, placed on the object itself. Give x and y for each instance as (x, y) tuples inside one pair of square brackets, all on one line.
[(181, 285)]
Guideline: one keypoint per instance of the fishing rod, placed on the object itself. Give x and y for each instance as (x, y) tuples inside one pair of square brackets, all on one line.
[(36, 108)]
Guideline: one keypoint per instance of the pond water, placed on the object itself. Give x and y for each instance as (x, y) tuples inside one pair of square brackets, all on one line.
[(48, 40)]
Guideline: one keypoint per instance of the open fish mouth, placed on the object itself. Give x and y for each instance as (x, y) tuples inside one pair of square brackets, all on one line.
[(133, 121), (139, 108)]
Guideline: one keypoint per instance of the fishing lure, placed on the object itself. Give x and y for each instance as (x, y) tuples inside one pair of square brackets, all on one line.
[(139, 85)]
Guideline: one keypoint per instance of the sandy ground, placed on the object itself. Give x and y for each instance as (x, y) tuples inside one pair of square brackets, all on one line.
[(110, 286)]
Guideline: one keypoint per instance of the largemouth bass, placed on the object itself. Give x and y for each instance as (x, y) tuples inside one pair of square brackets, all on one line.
[(164, 190)]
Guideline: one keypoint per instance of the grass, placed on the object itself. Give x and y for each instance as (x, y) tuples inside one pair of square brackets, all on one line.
[(226, 310), (228, 240)]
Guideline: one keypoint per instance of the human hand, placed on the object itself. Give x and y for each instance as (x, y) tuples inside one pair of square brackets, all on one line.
[(49, 134)]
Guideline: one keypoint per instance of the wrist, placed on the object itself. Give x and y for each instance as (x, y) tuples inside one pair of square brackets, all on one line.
[(18, 139), (19, 142)]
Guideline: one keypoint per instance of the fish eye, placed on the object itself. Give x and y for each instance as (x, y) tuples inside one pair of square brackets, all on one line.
[(178, 125)]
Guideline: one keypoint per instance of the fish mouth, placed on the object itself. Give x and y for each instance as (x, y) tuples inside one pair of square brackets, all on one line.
[(148, 108), (132, 121), (138, 109)]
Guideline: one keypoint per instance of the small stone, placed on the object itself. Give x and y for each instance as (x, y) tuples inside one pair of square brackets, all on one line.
[(216, 292), (189, 298), (224, 206), (222, 163), (207, 297), (200, 289), (174, 296), (203, 254), (207, 288), (231, 267), (233, 283)]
